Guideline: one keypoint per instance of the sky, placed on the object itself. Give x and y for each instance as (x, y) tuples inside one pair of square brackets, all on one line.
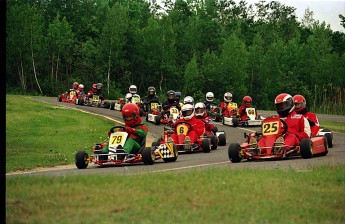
[(327, 11)]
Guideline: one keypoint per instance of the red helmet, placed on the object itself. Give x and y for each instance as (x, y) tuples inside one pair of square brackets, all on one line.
[(247, 100), (284, 104), (300, 103), (75, 85), (130, 114)]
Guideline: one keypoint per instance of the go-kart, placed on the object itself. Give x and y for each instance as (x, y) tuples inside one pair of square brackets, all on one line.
[(230, 116), (203, 143), (217, 139), (171, 116), (153, 112), (252, 119), (96, 100), (273, 130), (117, 105), (215, 113), (117, 155), (68, 97)]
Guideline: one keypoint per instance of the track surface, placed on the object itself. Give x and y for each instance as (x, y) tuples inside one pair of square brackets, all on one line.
[(216, 158)]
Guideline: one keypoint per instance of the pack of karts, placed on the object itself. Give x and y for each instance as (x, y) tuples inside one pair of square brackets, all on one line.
[(272, 147), (117, 155), (252, 119)]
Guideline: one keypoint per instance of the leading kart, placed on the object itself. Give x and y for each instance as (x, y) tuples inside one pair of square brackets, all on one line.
[(153, 112), (252, 119), (117, 156), (183, 145), (68, 97), (273, 147)]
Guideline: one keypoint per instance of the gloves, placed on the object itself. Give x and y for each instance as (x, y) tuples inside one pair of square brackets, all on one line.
[(130, 130)]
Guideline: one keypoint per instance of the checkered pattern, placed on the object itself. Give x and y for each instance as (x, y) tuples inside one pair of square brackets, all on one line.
[(165, 152)]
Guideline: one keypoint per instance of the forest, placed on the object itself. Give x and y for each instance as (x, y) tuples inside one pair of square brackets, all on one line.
[(191, 46)]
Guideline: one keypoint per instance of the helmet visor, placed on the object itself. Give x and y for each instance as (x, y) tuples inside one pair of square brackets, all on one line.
[(282, 106), (228, 97), (298, 106), (187, 113), (199, 110)]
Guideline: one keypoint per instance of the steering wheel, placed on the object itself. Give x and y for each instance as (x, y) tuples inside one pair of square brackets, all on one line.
[(119, 127)]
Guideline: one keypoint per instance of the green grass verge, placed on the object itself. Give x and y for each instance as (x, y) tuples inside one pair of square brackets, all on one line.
[(210, 196), (334, 126), (43, 135)]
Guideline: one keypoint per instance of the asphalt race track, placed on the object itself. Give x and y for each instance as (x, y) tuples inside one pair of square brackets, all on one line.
[(200, 160)]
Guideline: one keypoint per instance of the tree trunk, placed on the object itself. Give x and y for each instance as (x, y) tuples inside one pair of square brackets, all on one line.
[(34, 67), (57, 67), (108, 79), (52, 71), (21, 75)]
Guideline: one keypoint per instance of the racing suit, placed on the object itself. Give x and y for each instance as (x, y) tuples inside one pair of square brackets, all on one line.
[(209, 125), (312, 119), (229, 109), (243, 114), (298, 129), (198, 129)]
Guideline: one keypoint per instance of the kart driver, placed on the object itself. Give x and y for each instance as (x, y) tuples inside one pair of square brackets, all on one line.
[(300, 108), (198, 126), (227, 107), (170, 102), (298, 126), (137, 131), (151, 96), (210, 105), (246, 103), (200, 113)]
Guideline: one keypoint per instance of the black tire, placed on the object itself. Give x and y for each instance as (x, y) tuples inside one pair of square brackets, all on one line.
[(173, 159), (205, 145), (81, 101), (154, 144), (81, 159), (223, 121), (59, 98), (214, 142), (306, 148), (148, 156), (217, 119), (147, 117), (112, 106), (235, 122), (106, 104), (234, 153), (329, 138), (141, 112), (157, 120), (221, 140)]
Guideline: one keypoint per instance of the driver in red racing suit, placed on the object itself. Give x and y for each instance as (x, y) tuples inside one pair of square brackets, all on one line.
[(198, 126), (200, 113), (298, 126), (300, 108), (246, 103)]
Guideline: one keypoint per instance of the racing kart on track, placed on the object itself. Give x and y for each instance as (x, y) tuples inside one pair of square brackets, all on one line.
[(68, 97), (117, 105), (273, 130), (153, 112), (215, 113), (328, 134), (96, 100), (170, 116), (252, 119), (230, 116), (117, 156), (203, 143)]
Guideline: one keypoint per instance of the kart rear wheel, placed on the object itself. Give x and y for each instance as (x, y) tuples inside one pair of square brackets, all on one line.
[(221, 140), (214, 142), (148, 156), (106, 104), (147, 117), (329, 140), (217, 119), (157, 120), (306, 148), (81, 159), (112, 106), (205, 145), (235, 122), (173, 159), (234, 153)]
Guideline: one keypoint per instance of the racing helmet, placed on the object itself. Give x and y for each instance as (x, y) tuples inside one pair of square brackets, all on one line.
[(187, 111), (94, 87), (75, 85), (151, 91), (188, 100), (132, 89), (227, 97), (300, 103), (171, 95), (177, 96), (129, 96), (81, 87), (130, 114), (99, 86), (209, 97), (247, 101), (284, 104), (200, 109)]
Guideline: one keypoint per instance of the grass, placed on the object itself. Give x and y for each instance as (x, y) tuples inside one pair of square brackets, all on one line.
[(212, 196), (39, 134), (334, 126)]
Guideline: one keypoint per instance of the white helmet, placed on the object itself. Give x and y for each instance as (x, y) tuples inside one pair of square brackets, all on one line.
[(132, 89), (227, 97), (81, 86), (187, 111), (209, 97), (200, 109), (188, 100), (128, 96)]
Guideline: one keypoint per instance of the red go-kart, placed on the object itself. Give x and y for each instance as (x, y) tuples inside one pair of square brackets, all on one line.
[(273, 130), (68, 97)]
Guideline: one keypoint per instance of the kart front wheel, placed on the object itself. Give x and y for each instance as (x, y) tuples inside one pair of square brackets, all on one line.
[(214, 142), (235, 122), (157, 120), (306, 148), (81, 160), (329, 140), (221, 140), (148, 156), (112, 106), (205, 145), (234, 153)]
